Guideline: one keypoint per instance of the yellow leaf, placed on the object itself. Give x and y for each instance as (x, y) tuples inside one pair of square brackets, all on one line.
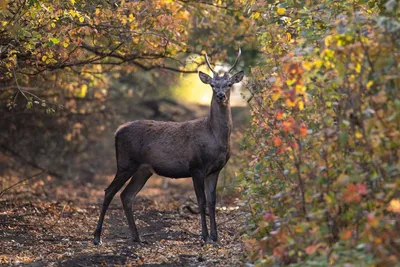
[(318, 63), (281, 11), (329, 53), (307, 65), (81, 92), (394, 205), (290, 82), (358, 68), (255, 15), (65, 44), (358, 135), (81, 19), (53, 25), (299, 229), (301, 105), (275, 96), (369, 84), (44, 58), (327, 40), (300, 89)]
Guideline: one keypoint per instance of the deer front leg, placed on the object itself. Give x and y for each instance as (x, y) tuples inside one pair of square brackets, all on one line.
[(137, 182), (198, 183), (211, 191)]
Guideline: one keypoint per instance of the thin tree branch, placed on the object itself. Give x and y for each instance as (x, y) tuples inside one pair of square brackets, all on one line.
[(22, 181)]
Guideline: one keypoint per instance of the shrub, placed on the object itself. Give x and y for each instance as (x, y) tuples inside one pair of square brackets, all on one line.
[(323, 181)]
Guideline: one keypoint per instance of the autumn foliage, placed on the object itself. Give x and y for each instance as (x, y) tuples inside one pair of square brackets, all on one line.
[(321, 177), (323, 182)]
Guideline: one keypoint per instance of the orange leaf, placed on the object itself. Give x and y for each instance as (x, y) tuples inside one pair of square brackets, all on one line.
[(346, 234), (311, 249), (290, 102), (287, 126), (303, 130), (279, 251), (277, 141), (351, 194), (279, 115)]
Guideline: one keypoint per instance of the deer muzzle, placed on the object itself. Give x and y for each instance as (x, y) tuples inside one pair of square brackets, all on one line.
[(221, 96)]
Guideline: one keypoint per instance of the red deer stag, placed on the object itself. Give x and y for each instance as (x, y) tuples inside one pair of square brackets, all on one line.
[(197, 148)]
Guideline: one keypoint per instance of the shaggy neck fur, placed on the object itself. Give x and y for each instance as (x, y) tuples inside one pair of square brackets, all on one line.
[(220, 120)]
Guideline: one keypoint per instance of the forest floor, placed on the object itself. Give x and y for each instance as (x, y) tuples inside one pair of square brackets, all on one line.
[(52, 224)]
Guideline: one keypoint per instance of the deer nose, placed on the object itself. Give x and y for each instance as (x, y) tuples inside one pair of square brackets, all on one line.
[(221, 96)]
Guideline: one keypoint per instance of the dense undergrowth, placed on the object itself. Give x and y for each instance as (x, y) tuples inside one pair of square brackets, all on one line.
[(323, 182)]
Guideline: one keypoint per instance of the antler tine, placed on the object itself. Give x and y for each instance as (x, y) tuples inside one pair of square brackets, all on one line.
[(208, 64), (236, 61)]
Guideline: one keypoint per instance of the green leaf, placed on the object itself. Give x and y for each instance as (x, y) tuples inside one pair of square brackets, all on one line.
[(55, 40)]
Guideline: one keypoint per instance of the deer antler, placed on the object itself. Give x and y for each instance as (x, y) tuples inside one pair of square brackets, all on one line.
[(236, 61), (209, 66)]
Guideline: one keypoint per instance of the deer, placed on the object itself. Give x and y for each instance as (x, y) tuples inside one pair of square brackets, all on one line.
[(197, 148)]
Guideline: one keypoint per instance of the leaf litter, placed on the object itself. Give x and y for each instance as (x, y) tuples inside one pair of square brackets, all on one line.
[(53, 225)]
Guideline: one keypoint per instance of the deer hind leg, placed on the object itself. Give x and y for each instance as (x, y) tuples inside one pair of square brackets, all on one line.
[(120, 179), (128, 195)]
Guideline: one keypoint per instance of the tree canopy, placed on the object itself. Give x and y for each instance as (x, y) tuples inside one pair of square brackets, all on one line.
[(69, 45)]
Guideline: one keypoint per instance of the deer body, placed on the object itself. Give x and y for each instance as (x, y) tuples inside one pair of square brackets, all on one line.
[(176, 149), (198, 148)]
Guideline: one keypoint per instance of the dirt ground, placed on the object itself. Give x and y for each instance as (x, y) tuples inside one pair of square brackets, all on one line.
[(45, 223)]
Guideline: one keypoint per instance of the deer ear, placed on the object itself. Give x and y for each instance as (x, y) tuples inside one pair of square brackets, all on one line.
[(205, 78), (237, 77)]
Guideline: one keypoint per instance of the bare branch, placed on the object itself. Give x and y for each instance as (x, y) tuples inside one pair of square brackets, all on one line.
[(22, 181)]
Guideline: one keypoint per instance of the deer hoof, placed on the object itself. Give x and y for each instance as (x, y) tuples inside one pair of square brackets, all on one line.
[(209, 241), (136, 239), (97, 241)]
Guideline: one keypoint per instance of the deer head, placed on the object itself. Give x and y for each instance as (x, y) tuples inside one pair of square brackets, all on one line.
[(221, 84)]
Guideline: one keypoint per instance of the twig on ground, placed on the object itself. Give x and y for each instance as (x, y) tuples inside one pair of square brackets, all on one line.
[(187, 231), (148, 234), (58, 219)]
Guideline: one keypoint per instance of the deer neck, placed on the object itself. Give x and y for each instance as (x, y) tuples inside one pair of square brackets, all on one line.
[(220, 121)]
